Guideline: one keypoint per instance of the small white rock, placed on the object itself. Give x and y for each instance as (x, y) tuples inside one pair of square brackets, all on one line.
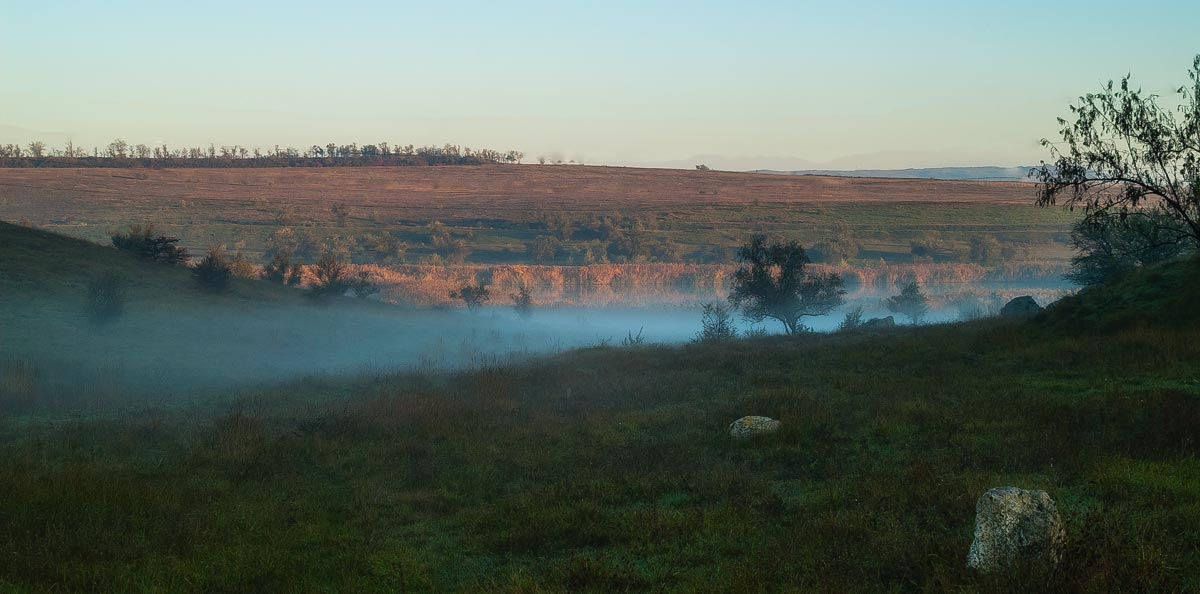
[(751, 426)]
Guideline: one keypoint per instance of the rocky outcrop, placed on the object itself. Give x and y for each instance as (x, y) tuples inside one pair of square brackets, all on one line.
[(751, 426), (876, 323), (1013, 524), (1020, 307)]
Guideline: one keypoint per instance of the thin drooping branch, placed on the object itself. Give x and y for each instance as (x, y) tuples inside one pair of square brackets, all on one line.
[(1124, 153)]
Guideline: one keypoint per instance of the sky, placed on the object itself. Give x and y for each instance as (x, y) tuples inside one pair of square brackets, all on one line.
[(737, 85)]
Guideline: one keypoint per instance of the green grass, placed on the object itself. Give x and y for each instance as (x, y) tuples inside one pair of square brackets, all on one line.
[(571, 475), (607, 469)]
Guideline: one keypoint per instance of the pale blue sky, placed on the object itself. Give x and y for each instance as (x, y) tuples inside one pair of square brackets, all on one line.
[(744, 85)]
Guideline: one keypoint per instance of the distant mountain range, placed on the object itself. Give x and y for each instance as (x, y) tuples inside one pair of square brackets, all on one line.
[(951, 173)]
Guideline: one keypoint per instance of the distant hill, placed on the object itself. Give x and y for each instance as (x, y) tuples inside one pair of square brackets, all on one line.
[(950, 173)]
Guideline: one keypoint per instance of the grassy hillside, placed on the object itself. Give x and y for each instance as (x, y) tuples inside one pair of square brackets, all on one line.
[(608, 469), (37, 264), (175, 339), (1165, 295)]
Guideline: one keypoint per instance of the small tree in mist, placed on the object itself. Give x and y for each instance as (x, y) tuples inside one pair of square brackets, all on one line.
[(105, 298), (716, 324), (473, 295), (523, 301), (331, 277), (911, 302), (283, 269), (773, 282), (364, 286), (1132, 165), (212, 273), (145, 241), (852, 320)]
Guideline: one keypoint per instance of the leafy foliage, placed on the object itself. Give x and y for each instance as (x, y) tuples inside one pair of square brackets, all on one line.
[(841, 246), (716, 324), (910, 302), (363, 285), (145, 241), (772, 282), (473, 296), (213, 271), (1111, 246), (852, 320), (331, 277), (1125, 155), (282, 269), (523, 301)]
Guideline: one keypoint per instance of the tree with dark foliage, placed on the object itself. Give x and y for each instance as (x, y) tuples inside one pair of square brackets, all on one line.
[(363, 285), (910, 302), (213, 271), (773, 282), (1108, 247), (283, 269), (1127, 161), (473, 296), (145, 241), (523, 301), (331, 277)]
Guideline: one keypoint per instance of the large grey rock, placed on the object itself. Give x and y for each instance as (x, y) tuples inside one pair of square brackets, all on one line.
[(1020, 307), (875, 323), (751, 426), (1013, 524)]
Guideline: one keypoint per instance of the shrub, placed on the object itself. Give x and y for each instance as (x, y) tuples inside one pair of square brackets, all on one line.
[(910, 302), (841, 246), (473, 296), (716, 324), (105, 298), (331, 277), (213, 271), (523, 301), (363, 286), (282, 269), (984, 250), (383, 248), (450, 249), (853, 319), (147, 242), (544, 248), (241, 267)]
